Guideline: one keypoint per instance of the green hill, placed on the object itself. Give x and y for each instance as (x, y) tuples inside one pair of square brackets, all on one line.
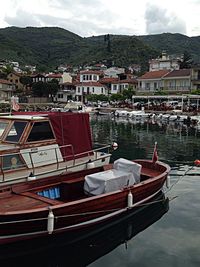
[(52, 46), (175, 44)]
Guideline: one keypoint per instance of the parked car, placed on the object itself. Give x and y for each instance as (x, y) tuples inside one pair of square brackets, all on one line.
[(104, 104)]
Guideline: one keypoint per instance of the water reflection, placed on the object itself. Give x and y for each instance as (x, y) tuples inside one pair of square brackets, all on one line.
[(177, 142), (86, 247)]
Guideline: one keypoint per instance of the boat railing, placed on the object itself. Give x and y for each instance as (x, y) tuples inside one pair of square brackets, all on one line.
[(72, 159), (98, 152)]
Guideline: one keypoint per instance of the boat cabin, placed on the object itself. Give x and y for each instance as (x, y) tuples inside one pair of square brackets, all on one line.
[(23, 134), (43, 144)]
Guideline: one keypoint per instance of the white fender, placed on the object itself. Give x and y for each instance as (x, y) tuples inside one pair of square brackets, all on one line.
[(168, 181), (50, 222), (90, 164), (130, 199)]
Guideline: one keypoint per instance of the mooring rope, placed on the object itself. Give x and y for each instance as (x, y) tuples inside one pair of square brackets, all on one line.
[(177, 181), (88, 213)]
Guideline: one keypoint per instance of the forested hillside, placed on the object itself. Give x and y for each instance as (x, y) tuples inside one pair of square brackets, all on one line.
[(52, 46)]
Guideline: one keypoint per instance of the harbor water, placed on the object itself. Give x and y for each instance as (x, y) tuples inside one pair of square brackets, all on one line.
[(165, 233)]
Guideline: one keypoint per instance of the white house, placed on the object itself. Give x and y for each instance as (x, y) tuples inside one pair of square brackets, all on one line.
[(120, 85), (90, 88), (114, 72), (151, 81), (165, 62), (6, 90), (178, 80), (89, 84), (90, 76)]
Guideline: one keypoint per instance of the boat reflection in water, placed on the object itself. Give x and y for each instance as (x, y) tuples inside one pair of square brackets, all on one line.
[(87, 246)]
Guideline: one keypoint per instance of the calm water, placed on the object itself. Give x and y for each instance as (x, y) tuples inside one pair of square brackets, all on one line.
[(165, 234)]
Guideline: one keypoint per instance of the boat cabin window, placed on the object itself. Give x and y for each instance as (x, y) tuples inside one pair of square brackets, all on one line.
[(40, 131), (10, 162), (16, 131), (3, 126)]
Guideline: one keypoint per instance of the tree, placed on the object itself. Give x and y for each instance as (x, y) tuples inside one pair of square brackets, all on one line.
[(45, 89), (195, 92), (161, 92), (116, 97), (52, 87), (186, 61), (128, 93), (25, 80), (7, 69), (39, 89)]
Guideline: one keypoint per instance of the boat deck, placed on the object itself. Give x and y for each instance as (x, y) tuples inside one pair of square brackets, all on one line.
[(20, 202), (17, 198)]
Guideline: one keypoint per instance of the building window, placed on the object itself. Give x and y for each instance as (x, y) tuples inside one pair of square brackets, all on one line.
[(147, 85), (102, 90), (60, 95), (92, 89)]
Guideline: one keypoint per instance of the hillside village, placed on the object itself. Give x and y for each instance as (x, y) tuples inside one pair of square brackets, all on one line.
[(97, 82)]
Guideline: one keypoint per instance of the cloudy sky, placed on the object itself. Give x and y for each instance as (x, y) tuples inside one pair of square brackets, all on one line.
[(96, 17)]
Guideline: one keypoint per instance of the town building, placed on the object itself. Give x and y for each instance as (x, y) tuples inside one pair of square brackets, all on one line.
[(6, 90), (151, 81), (195, 77), (14, 79), (175, 81), (164, 62)]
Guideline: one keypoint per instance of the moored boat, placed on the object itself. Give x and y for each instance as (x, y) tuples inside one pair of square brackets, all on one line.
[(73, 201), (37, 145), (92, 244)]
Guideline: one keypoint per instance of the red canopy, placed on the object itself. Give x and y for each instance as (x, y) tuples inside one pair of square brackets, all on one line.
[(70, 129)]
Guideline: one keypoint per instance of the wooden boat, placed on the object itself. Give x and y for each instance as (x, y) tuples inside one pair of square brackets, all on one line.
[(91, 245), (37, 145), (73, 201)]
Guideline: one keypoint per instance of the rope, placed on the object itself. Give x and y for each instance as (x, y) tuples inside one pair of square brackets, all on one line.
[(177, 161), (86, 213), (169, 189)]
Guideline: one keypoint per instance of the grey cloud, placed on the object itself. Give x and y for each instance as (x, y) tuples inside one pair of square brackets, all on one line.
[(159, 21), (85, 21), (22, 19), (82, 27), (70, 3)]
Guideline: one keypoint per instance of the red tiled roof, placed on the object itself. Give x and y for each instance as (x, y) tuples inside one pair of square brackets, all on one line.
[(16, 73), (91, 72), (37, 75), (57, 75), (132, 81), (67, 83), (5, 82), (90, 84), (109, 80), (154, 74), (178, 73)]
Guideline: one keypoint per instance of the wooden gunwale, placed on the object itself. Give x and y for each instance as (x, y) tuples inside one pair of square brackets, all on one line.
[(119, 197)]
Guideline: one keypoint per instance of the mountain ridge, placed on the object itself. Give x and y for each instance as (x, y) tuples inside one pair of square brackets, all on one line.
[(51, 46)]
